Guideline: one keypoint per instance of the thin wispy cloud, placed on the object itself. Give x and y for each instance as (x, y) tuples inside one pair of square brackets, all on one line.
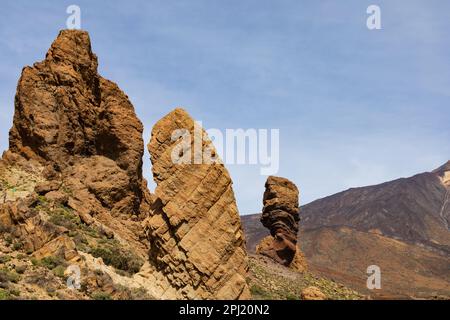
[(354, 107)]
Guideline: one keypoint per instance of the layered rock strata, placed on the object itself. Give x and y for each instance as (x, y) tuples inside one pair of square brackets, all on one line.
[(197, 243)]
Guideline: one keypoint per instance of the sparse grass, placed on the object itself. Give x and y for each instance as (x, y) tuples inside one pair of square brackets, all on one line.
[(42, 200), (66, 190)]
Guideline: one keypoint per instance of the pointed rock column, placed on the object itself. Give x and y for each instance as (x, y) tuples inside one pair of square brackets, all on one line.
[(281, 216), (197, 243), (66, 113)]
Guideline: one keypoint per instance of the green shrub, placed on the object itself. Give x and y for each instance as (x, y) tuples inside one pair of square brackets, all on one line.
[(5, 258), (17, 246), (50, 262), (259, 292), (42, 199), (5, 229), (118, 258), (9, 276), (90, 231), (59, 271), (98, 295), (14, 292), (4, 295), (8, 239)]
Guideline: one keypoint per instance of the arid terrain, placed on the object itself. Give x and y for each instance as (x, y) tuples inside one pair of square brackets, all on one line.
[(401, 226), (77, 220)]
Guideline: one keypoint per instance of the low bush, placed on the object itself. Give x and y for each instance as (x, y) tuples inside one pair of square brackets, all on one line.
[(9, 276), (65, 217), (4, 295), (118, 257), (50, 262), (98, 295)]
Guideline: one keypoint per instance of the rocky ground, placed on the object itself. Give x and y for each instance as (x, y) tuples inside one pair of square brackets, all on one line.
[(109, 269), (24, 277), (271, 281)]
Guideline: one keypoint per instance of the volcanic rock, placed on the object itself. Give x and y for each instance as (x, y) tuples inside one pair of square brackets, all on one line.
[(75, 154), (197, 243), (65, 111), (281, 216)]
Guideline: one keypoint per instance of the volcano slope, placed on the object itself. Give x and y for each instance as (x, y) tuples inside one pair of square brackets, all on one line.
[(401, 226)]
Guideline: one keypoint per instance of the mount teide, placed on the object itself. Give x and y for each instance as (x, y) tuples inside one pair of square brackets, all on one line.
[(401, 226)]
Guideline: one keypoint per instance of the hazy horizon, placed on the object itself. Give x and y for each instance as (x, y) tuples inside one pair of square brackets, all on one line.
[(354, 107)]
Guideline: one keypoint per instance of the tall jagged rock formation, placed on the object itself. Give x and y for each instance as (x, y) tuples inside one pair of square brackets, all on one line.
[(66, 114), (71, 180), (197, 243), (72, 187), (281, 216), (79, 135)]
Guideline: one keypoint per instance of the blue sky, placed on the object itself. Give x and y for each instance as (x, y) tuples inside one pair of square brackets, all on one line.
[(354, 107)]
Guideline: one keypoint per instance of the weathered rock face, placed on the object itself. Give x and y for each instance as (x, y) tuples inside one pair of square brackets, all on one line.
[(197, 243), (71, 186), (281, 216), (64, 111), (71, 180)]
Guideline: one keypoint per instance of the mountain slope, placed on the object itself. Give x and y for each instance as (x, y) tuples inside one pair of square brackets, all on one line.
[(401, 225), (410, 209), (407, 270)]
